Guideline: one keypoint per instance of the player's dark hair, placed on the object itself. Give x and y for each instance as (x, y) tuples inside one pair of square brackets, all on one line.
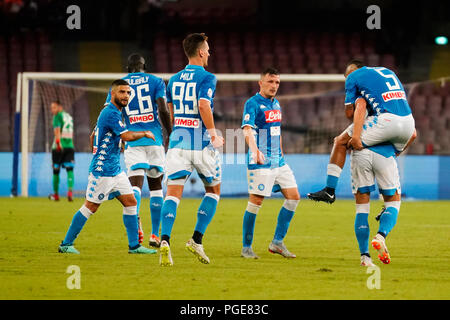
[(271, 71), (119, 82), (358, 63), (57, 102), (135, 63), (192, 42)]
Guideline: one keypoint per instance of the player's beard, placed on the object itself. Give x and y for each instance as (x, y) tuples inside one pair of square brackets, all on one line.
[(119, 103)]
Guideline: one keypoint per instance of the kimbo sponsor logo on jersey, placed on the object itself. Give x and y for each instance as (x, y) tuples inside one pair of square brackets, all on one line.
[(142, 118), (187, 122), (393, 95)]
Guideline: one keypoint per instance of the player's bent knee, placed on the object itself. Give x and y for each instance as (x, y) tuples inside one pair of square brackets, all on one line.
[(130, 210), (256, 199), (91, 207), (253, 207), (85, 211), (291, 204)]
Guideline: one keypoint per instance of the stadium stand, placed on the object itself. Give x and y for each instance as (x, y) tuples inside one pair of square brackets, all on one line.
[(308, 106)]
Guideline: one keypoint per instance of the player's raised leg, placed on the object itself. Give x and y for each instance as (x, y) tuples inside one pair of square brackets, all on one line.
[(334, 169)]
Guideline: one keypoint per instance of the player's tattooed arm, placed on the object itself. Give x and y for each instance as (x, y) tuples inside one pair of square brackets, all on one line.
[(135, 135)]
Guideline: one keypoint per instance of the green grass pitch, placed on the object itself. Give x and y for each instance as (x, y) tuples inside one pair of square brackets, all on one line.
[(322, 236)]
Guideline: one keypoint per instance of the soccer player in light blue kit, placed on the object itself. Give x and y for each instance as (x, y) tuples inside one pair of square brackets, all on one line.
[(147, 105), (389, 119), (192, 145), (267, 171), (106, 178), (382, 120)]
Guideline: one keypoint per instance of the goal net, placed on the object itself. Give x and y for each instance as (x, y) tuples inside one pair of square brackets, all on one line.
[(312, 112)]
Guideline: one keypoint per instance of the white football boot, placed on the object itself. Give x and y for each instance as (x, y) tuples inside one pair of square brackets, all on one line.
[(197, 249), (165, 257), (366, 261), (379, 244)]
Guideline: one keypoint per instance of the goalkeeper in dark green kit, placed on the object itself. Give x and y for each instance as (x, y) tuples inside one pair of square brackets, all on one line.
[(62, 149)]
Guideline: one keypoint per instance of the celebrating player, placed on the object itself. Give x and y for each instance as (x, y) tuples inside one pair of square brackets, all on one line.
[(146, 156), (62, 149), (267, 171), (367, 165), (192, 145), (389, 119), (106, 178)]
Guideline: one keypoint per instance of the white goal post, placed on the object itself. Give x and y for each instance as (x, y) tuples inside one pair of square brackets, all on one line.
[(23, 103)]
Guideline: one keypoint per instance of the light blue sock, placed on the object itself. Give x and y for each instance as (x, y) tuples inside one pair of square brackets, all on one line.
[(362, 232), (137, 195), (333, 174), (130, 220), (248, 227), (388, 219), (332, 181), (284, 219), (168, 215), (206, 212), (156, 203), (77, 224)]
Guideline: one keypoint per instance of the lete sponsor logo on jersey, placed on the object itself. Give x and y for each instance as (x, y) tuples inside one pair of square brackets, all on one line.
[(142, 118), (187, 122), (393, 95), (273, 115)]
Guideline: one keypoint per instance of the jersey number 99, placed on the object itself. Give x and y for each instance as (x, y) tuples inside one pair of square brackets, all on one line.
[(184, 98)]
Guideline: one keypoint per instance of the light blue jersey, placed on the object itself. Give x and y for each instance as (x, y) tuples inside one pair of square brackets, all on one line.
[(381, 89), (141, 114), (184, 91), (106, 159), (264, 116)]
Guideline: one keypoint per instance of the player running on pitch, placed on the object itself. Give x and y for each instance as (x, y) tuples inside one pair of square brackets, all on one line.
[(62, 149), (267, 171), (145, 157), (192, 145), (389, 119), (106, 178)]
